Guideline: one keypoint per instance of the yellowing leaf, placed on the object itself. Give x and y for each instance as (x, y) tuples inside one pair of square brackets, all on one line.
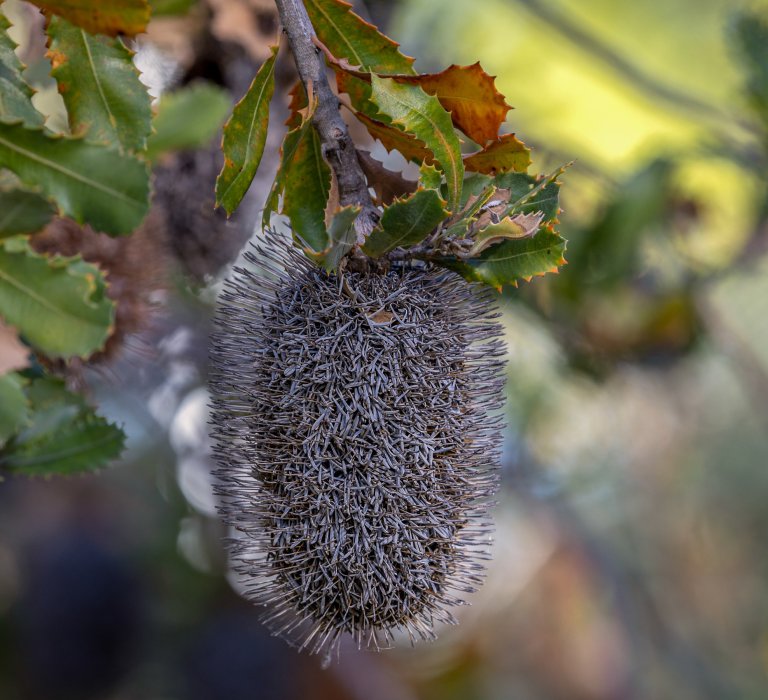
[(58, 304), (245, 134), (469, 94), (111, 17), (348, 36), (91, 183), (394, 139), (501, 156), (420, 114), (511, 228), (100, 85)]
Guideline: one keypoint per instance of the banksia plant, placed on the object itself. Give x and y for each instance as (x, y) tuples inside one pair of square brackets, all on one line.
[(357, 373)]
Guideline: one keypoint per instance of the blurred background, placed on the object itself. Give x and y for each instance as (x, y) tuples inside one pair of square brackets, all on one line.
[(631, 553)]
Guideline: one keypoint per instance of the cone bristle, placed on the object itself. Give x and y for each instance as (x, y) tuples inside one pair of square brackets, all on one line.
[(355, 450)]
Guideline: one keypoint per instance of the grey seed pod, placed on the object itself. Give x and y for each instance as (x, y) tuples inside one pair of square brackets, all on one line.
[(357, 437)]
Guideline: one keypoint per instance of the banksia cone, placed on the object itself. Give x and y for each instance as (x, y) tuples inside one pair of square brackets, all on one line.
[(355, 449)]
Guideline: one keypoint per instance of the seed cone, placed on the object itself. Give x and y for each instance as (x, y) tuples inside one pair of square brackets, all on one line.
[(355, 450)]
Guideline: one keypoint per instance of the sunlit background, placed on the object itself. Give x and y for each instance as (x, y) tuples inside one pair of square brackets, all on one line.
[(631, 553)]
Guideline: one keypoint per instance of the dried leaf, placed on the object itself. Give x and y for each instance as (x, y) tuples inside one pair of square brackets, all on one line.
[(394, 139), (388, 184), (110, 17), (511, 228)]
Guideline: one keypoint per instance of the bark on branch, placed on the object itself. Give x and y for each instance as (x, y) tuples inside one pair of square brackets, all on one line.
[(337, 145)]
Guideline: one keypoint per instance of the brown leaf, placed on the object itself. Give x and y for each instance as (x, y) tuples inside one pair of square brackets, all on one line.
[(505, 154), (387, 184), (13, 353), (111, 17), (393, 139)]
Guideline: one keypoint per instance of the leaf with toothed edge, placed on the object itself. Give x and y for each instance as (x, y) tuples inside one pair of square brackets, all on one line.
[(420, 114), (500, 156), (245, 135), (63, 435), (349, 36), (15, 93), (23, 211), (112, 17), (394, 139), (100, 85), (512, 260), (406, 222), (58, 304)]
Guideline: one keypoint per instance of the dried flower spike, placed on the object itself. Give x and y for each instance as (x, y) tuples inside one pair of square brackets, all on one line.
[(355, 449)]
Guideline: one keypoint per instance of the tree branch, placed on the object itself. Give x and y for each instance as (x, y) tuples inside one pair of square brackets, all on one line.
[(337, 145)]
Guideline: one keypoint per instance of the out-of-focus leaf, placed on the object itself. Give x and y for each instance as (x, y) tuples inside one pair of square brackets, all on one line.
[(406, 222), (245, 134), (387, 184), (751, 38), (512, 260), (171, 7), (422, 115), (15, 94), (348, 36), (91, 183), (58, 304), (306, 184), (63, 436), (394, 139), (470, 95), (14, 406), (22, 211), (501, 156), (341, 236), (111, 17), (104, 97), (174, 130)]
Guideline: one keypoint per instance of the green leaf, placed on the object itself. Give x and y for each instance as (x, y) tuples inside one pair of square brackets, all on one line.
[(245, 134), (511, 228), (104, 97), (512, 260), (348, 36), (530, 194), (111, 17), (22, 211), (174, 130), (15, 94), (430, 176), (500, 156), (406, 222), (14, 407), (306, 185), (90, 183), (64, 435), (58, 304), (421, 114), (342, 236), (751, 38)]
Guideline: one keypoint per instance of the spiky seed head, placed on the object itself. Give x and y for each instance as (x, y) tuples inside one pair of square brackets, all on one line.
[(356, 447)]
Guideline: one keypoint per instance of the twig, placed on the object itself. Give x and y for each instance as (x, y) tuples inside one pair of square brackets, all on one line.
[(337, 145)]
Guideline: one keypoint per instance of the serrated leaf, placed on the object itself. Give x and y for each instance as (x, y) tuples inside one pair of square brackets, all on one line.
[(349, 36), (512, 260), (430, 177), (511, 228), (14, 406), (174, 130), (406, 222), (470, 95), (388, 184), (110, 17), (505, 154), (64, 435), (306, 184), (394, 139), (422, 115), (341, 237), (100, 85), (92, 184), (22, 211), (58, 304), (15, 94), (245, 134), (529, 194)]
